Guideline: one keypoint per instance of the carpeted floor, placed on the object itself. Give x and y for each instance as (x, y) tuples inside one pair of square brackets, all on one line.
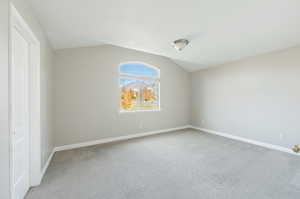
[(185, 164)]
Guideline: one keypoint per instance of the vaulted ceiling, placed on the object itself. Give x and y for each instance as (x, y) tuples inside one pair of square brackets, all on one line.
[(219, 31)]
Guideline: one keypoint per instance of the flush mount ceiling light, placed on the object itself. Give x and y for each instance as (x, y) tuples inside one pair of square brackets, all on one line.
[(180, 44)]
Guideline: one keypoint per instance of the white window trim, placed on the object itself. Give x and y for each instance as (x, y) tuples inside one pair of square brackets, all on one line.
[(140, 77)]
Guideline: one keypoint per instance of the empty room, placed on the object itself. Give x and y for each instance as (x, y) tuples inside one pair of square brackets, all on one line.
[(159, 99)]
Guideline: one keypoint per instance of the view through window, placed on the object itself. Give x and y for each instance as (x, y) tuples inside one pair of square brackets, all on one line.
[(139, 87)]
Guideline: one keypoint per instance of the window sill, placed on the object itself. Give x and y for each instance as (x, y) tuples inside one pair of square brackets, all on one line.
[(139, 111)]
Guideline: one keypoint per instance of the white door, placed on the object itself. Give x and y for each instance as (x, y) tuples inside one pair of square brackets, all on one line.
[(20, 114)]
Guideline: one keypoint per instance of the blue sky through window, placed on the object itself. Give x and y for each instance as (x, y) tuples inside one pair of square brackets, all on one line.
[(126, 80), (138, 69)]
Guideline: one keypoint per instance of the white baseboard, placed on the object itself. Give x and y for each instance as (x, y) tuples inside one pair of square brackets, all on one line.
[(114, 139), (262, 144), (47, 165), (127, 137)]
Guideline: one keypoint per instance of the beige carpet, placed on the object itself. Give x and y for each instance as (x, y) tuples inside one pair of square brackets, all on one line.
[(180, 165)]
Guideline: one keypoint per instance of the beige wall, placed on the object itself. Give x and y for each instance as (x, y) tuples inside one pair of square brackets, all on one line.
[(4, 134), (46, 78), (87, 95), (256, 98)]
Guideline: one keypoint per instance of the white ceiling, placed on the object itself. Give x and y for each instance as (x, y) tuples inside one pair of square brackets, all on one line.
[(219, 31)]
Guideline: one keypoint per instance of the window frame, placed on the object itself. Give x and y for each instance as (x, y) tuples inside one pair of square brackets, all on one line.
[(138, 77)]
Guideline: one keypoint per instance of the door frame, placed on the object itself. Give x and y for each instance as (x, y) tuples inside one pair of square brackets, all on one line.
[(17, 22)]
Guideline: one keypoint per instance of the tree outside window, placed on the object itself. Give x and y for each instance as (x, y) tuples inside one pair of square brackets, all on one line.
[(139, 87)]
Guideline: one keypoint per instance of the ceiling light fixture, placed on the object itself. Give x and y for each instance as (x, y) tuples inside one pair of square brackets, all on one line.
[(180, 44)]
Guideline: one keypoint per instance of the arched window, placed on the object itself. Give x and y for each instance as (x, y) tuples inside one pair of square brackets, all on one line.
[(139, 87)]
